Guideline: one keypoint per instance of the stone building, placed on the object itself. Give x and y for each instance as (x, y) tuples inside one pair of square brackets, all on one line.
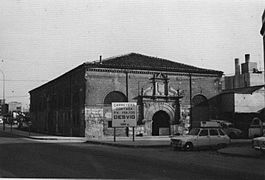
[(78, 103)]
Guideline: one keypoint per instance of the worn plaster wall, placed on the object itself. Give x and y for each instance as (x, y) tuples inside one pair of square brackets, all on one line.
[(100, 83)]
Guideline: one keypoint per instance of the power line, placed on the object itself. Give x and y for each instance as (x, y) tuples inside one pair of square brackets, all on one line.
[(30, 80), (14, 60), (4, 59)]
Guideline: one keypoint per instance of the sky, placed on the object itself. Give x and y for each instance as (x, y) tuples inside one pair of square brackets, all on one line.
[(42, 39)]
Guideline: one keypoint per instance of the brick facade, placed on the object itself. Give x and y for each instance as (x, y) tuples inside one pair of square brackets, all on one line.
[(60, 106)]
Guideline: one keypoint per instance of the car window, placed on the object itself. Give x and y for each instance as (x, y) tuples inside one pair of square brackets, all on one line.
[(194, 131), (204, 132), (221, 132), (213, 132)]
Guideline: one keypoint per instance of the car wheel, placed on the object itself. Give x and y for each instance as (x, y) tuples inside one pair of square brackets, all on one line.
[(173, 147), (188, 146)]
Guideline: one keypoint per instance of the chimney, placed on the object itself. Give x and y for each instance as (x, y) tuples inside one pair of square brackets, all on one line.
[(247, 58), (100, 59), (237, 66)]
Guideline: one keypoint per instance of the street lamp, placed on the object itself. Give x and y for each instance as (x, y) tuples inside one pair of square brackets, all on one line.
[(3, 86)]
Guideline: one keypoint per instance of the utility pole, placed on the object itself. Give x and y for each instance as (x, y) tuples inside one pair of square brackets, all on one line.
[(3, 86), (190, 100), (3, 103)]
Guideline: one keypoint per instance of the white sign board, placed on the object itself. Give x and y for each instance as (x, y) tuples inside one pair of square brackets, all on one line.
[(124, 114)]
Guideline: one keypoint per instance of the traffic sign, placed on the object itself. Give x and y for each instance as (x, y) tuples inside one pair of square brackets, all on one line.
[(124, 114)]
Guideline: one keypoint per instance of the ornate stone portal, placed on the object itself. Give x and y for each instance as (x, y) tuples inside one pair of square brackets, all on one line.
[(159, 107)]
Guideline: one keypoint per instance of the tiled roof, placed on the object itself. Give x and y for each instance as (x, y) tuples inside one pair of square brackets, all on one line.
[(136, 61), (143, 62)]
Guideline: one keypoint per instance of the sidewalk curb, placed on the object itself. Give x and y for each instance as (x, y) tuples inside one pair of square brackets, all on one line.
[(126, 145), (42, 138), (239, 143), (54, 138)]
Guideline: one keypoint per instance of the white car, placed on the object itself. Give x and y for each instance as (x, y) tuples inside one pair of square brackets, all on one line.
[(201, 137), (229, 129), (258, 143)]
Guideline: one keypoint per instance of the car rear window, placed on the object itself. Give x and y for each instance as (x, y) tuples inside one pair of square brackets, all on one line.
[(221, 132), (213, 132)]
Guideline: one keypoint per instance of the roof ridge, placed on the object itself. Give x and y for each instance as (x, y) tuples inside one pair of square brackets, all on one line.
[(118, 56), (157, 58), (142, 61)]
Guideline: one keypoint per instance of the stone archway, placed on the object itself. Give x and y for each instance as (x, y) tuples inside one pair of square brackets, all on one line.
[(161, 123), (160, 108)]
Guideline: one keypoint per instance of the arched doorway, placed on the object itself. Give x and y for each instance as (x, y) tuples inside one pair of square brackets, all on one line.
[(161, 123), (200, 110)]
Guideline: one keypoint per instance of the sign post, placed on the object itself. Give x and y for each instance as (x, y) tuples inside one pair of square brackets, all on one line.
[(29, 125), (133, 133), (114, 134), (123, 115)]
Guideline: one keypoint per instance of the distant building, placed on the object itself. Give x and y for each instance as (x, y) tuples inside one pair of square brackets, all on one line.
[(78, 103), (1, 106), (25, 108), (248, 76), (14, 106), (242, 98)]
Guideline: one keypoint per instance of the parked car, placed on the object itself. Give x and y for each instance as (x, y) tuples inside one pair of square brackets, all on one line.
[(229, 129), (24, 124), (258, 143), (14, 122), (201, 137)]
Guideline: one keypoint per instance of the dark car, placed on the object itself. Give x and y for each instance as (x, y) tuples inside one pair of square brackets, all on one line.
[(24, 122)]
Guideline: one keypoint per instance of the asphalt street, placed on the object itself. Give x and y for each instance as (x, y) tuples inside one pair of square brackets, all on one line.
[(27, 158)]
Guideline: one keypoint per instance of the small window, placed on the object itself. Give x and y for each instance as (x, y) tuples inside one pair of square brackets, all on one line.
[(213, 132), (204, 132), (221, 132), (109, 124)]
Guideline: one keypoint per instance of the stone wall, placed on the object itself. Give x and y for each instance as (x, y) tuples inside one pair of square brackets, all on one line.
[(100, 83)]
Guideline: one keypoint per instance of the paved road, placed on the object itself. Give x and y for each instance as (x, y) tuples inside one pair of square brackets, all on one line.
[(24, 158)]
